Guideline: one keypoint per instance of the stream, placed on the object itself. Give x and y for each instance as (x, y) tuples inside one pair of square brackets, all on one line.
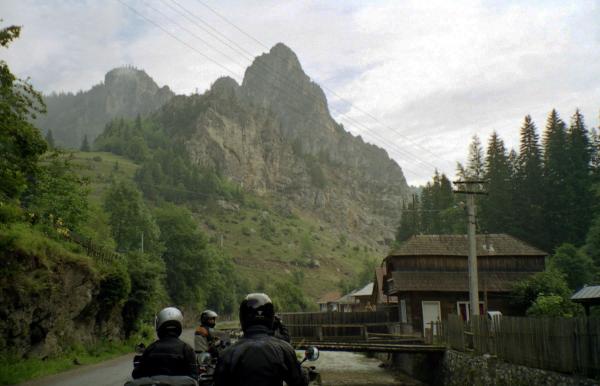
[(353, 369)]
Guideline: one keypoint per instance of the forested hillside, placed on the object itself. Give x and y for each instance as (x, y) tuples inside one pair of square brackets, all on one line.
[(75, 118)]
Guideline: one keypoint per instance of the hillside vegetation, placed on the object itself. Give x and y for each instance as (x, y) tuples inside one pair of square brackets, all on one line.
[(266, 246)]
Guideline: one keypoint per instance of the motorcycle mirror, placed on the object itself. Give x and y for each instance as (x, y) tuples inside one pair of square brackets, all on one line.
[(311, 354), (204, 358), (140, 347)]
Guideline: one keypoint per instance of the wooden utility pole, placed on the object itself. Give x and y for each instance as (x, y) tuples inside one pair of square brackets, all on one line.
[(471, 236)]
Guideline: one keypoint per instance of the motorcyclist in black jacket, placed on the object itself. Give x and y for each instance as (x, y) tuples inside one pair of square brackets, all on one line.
[(259, 358), (168, 355)]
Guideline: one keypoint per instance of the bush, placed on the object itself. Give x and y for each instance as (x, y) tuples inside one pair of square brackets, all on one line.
[(288, 297), (10, 212), (115, 286), (146, 274)]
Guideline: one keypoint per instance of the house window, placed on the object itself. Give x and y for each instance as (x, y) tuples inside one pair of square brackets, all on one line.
[(463, 309), (403, 316)]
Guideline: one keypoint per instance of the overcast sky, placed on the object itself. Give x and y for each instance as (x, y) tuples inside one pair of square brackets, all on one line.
[(418, 78)]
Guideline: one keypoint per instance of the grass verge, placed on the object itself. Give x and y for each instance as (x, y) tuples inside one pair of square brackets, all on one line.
[(16, 370)]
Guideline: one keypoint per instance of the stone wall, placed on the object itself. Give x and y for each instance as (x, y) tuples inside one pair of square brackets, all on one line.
[(465, 369)]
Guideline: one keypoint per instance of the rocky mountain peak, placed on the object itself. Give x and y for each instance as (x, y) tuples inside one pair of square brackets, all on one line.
[(276, 80), (285, 56), (129, 80), (225, 86)]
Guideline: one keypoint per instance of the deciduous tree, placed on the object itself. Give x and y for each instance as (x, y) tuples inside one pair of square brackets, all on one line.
[(21, 144)]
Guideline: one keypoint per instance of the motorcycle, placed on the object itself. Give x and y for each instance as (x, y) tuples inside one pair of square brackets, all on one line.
[(314, 377), (158, 380), (206, 369)]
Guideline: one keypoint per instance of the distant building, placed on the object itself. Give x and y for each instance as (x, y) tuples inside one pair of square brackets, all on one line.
[(363, 298), (328, 301), (429, 275), (348, 303), (588, 296)]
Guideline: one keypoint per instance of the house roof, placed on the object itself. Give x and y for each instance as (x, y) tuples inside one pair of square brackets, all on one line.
[(587, 293), (347, 299), (457, 245), (364, 291), (329, 297), (404, 281)]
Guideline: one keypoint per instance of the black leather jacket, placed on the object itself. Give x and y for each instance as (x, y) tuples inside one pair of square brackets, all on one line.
[(259, 359), (167, 356)]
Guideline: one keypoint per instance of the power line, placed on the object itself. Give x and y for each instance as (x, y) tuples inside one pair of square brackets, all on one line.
[(324, 86), (250, 56), (273, 71), (242, 66), (233, 73), (176, 38)]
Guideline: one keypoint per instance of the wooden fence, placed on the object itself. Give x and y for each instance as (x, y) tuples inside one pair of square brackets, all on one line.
[(333, 325), (567, 345)]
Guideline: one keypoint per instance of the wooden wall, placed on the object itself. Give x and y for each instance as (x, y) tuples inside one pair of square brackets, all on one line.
[(459, 263), (448, 300)]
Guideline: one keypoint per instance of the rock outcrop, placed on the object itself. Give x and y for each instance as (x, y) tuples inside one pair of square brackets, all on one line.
[(50, 304), (274, 135)]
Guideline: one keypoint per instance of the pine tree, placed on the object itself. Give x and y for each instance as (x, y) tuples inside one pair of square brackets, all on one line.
[(409, 222), (579, 206), (445, 196), (436, 198), (556, 171), (595, 162), (427, 208), (49, 139), (475, 165), (528, 207), (496, 208), (138, 124), (85, 146)]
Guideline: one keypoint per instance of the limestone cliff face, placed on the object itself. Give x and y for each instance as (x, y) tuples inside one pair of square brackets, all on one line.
[(126, 92), (274, 135)]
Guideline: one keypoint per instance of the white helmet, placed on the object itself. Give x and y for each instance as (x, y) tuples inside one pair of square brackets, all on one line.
[(169, 319)]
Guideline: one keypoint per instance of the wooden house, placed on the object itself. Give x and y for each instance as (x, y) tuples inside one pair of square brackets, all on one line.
[(429, 275), (363, 296), (348, 303), (328, 301)]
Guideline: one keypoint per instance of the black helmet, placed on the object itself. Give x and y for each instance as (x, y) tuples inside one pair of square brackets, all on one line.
[(168, 321), (257, 309), (208, 318)]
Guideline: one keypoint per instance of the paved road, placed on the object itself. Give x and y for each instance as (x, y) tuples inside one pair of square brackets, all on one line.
[(114, 372)]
